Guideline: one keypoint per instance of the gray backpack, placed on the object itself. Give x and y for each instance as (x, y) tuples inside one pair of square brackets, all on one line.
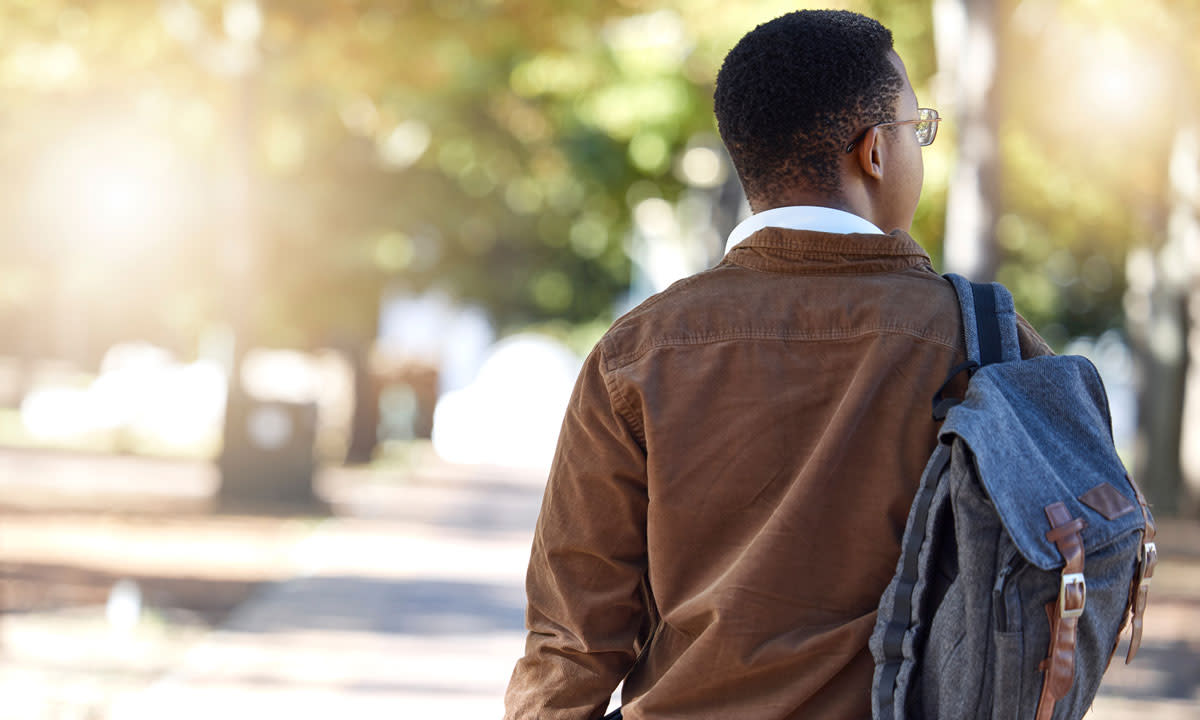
[(1027, 549)]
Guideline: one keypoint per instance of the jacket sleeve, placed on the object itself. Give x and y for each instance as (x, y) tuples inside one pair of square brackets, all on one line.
[(587, 596), (1032, 344)]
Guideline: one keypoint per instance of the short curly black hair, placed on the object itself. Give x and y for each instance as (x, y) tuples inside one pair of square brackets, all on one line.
[(793, 92)]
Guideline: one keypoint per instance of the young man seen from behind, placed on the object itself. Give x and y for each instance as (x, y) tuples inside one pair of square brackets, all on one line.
[(740, 452)]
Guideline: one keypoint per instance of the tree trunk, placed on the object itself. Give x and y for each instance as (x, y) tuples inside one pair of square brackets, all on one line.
[(1183, 231), (1162, 292), (364, 422), (967, 37), (267, 459)]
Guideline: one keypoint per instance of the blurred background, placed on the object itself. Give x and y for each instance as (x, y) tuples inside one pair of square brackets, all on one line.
[(292, 294)]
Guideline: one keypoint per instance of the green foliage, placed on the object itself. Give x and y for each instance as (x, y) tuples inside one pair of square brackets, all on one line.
[(489, 148), (1092, 94)]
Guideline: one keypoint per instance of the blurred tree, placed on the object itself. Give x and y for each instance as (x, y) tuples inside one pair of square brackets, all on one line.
[(488, 147), (968, 39), (1086, 140), (485, 147), (494, 150)]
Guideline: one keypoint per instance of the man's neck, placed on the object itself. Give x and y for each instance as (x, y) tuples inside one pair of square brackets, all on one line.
[(800, 197)]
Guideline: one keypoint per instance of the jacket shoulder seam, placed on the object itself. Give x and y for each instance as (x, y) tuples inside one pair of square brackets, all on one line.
[(620, 402), (625, 359)]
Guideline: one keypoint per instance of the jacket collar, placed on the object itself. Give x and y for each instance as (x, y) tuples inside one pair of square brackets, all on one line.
[(774, 249)]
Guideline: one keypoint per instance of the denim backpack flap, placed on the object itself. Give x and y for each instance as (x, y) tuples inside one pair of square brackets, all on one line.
[(1040, 434)]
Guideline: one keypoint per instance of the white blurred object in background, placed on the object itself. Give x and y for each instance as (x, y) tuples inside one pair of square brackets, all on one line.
[(510, 415), (141, 390), (124, 606), (1114, 361), (432, 330), (145, 398)]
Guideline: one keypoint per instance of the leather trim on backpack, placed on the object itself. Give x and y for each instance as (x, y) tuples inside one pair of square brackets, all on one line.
[(1064, 612), (1140, 591), (1108, 501)]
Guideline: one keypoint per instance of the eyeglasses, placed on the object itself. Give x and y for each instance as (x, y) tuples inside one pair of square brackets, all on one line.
[(926, 126)]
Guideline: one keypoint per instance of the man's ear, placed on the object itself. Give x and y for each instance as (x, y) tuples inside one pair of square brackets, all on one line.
[(869, 154)]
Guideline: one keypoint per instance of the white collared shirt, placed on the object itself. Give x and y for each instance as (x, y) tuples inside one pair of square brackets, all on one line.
[(801, 217)]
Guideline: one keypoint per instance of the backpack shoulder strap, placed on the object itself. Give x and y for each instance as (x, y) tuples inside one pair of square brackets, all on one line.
[(989, 321)]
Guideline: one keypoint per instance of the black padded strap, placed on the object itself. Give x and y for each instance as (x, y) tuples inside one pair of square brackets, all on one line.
[(987, 324)]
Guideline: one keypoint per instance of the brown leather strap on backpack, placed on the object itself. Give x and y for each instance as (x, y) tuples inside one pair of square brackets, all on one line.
[(1140, 590), (1059, 665)]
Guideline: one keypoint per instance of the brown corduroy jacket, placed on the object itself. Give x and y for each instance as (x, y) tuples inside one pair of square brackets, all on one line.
[(731, 484)]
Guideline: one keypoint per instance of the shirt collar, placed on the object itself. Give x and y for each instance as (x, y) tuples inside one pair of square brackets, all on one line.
[(802, 217)]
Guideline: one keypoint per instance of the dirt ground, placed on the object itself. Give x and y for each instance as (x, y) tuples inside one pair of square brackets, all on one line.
[(94, 606), (107, 583), (197, 565)]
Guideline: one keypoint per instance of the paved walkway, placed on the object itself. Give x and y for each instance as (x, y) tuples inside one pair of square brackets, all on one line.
[(409, 603), (411, 607), (422, 617)]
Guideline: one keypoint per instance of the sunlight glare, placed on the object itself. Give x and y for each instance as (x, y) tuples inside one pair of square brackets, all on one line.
[(1119, 84), (109, 188)]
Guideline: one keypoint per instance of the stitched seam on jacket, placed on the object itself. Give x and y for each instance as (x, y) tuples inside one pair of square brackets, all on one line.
[(626, 359), (893, 244), (875, 267), (660, 296), (622, 405), (838, 251)]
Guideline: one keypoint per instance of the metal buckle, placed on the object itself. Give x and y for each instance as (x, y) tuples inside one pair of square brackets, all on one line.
[(1146, 563), (1071, 579)]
